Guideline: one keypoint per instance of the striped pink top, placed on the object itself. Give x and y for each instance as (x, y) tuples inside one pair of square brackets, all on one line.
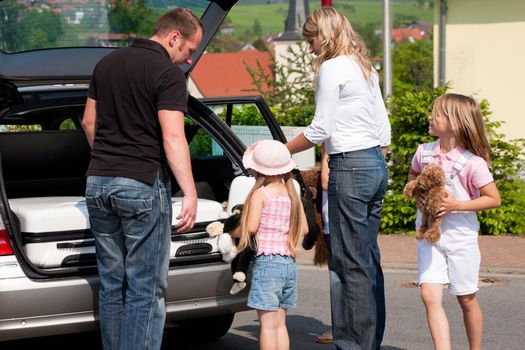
[(272, 235)]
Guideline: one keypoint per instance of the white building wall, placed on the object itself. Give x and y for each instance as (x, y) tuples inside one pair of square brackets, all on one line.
[(485, 56)]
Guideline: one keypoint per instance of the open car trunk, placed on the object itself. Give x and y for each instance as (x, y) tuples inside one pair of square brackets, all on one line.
[(43, 182)]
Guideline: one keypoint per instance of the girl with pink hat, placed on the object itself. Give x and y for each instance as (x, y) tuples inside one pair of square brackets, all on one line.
[(274, 213)]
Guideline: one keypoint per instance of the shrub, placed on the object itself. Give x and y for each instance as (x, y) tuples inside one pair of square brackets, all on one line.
[(408, 117)]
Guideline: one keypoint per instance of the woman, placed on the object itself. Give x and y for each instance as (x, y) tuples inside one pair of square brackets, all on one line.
[(351, 120)]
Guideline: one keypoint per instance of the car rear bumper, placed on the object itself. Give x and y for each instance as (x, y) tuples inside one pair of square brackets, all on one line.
[(40, 308)]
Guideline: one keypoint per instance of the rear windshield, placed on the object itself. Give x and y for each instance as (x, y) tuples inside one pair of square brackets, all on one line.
[(27, 25)]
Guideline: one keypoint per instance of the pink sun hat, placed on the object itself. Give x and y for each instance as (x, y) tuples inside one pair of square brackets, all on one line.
[(268, 157)]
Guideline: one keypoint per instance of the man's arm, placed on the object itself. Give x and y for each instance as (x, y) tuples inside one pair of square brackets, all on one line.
[(89, 120), (178, 156)]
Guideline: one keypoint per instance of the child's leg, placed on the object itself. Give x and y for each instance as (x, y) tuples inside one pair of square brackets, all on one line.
[(473, 318), (432, 295), (283, 341), (268, 332)]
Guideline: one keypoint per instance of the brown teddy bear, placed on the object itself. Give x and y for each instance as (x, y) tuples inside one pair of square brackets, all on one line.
[(312, 179), (430, 182)]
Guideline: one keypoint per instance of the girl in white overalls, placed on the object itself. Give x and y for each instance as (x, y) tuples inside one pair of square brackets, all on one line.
[(462, 150)]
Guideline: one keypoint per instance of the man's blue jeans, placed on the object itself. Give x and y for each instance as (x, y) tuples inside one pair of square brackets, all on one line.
[(131, 223), (357, 185)]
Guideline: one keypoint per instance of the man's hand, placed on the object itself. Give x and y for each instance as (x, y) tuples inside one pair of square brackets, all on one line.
[(187, 214)]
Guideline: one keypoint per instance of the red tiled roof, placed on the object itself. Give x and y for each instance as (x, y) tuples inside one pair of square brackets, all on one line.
[(401, 34), (225, 74)]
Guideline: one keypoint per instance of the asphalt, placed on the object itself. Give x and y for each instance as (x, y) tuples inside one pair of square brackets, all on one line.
[(499, 254)]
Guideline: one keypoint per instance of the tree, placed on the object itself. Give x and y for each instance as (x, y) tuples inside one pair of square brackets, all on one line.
[(46, 27), (413, 66), (13, 31), (402, 20), (25, 28), (290, 90), (368, 31), (128, 16), (257, 29)]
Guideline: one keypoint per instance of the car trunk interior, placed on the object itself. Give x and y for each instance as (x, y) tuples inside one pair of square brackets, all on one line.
[(52, 163)]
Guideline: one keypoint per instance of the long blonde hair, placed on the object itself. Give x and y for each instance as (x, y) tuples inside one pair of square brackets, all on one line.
[(294, 232), (466, 121), (336, 38)]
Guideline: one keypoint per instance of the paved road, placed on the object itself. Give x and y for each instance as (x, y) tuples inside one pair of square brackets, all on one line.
[(502, 303), (406, 324)]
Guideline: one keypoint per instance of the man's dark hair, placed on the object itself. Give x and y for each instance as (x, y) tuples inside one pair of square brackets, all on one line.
[(180, 19)]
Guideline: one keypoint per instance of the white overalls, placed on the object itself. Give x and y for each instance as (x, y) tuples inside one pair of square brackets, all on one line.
[(455, 258)]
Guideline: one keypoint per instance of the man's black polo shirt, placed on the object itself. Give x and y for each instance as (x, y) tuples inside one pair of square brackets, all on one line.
[(130, 86)]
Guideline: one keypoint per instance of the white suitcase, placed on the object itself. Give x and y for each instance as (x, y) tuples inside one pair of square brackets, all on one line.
[(55, 230)]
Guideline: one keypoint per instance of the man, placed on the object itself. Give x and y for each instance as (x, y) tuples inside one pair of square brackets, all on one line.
[(134, 122)]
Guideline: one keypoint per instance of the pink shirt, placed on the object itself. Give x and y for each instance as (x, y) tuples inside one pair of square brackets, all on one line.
[(474, 175), (272, 235)]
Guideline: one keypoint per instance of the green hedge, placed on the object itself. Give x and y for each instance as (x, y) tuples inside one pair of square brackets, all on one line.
[(409, 112)]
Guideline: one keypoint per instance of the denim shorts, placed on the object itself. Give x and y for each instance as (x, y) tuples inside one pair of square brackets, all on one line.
[(274, 283)]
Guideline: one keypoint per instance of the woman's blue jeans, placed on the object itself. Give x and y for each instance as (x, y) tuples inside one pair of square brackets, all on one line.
[(131, 223), (357, 185)]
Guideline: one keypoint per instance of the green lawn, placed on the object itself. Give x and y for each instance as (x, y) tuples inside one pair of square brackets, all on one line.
[(272, 16)]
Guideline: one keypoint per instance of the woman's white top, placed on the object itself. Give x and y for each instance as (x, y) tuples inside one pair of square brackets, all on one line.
[(350, 113)]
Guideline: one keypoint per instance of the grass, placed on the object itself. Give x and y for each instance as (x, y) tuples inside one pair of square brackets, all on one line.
[(272, 16)]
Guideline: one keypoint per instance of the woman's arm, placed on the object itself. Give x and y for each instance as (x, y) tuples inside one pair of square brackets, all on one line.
[(489, 198), (326, 102), (299, 143), (324, 170)]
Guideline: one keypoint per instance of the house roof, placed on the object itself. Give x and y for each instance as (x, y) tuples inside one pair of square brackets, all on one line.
[(225, 74), (402, 34)]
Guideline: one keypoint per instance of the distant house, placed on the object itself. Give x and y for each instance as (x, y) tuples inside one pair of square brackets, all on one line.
[(422, 25), (111, 39), (483, 52), (400, 35), (227, 29), (225, 74)]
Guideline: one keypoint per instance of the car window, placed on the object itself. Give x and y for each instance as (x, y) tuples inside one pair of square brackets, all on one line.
[(20, 128), (43, 122), (68, 124), (245, 120), (200, 142), (32, 25)]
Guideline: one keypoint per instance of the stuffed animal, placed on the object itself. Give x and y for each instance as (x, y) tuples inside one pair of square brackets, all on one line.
[(312, 179), (240, 262), (431, 183)]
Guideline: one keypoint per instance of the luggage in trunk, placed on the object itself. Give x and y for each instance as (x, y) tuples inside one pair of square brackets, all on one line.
[(55, 230)]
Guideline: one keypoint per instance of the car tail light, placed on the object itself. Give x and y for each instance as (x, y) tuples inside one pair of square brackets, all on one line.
[(5, 245)]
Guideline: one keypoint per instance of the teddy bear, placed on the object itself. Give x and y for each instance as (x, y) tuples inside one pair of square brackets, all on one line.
[(312, 179), (431, 182), (240, 262)]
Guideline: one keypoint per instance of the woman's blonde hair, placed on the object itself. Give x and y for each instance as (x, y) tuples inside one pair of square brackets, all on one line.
[(294, 232), (336, 38), (466, 121)]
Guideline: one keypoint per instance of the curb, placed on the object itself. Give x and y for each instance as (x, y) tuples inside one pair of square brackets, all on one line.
[(502, 270)]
